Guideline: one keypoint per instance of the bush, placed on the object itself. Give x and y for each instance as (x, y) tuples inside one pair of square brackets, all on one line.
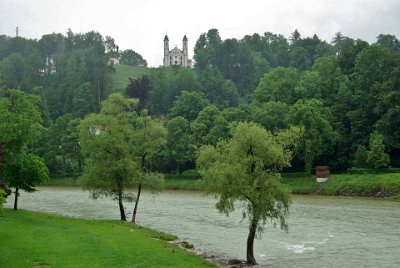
[(2, 200)]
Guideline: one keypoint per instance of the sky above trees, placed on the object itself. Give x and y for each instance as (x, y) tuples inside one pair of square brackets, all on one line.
[(141, 25)]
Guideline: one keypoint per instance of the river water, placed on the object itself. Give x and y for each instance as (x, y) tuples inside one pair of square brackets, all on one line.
[(323, 231)]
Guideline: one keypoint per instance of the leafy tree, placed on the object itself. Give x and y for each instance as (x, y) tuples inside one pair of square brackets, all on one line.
[(20, 126), (269, 115), (246, 169), (188, 105), (139, 89), (179, 150), (201, 127), (318, 136), (13, 71), (219, 91), (360, 157), (377, 158), (83, 101), (24, 171), (389, 41), (106, 140), (278, 85), (2, 201), (132, 58), (148, 138)]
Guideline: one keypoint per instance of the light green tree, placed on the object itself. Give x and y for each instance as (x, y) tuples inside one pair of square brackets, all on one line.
[(246, 169), (148, 138), (106, 139), (20, 126)]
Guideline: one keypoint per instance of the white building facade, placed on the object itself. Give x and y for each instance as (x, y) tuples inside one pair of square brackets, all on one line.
[(176, 56)]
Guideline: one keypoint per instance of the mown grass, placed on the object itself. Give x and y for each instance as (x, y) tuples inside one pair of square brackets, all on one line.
[(122, 74), (31, 239)]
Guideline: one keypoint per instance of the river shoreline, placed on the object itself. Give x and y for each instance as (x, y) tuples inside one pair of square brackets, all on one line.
[(318, 225)]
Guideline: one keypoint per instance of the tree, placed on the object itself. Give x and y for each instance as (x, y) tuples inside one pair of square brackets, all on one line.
[(139, 89), (246, 169), (377, 158), (318, 136), (179, 148), (360, 157), (132, 58), (278, 85), (149, 135), (188, 105), (106, 140), (20, 126), (83, 101)]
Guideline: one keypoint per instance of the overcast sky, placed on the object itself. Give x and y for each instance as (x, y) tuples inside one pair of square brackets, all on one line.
[(141, 24)]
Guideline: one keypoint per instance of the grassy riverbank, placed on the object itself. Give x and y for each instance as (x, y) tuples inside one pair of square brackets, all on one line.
[(379, 185), (31, 239)]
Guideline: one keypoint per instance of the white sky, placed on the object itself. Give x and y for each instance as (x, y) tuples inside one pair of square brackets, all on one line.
[(141, 24)]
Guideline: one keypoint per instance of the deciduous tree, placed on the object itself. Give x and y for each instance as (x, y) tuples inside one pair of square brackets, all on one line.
[(246, 169)]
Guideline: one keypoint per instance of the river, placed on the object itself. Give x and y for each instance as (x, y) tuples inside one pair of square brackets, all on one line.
[(323, 231)]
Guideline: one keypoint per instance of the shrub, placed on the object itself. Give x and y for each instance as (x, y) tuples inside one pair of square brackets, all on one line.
[(2, 200)]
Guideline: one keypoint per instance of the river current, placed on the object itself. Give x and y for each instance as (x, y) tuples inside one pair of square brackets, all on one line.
[(323, 231)]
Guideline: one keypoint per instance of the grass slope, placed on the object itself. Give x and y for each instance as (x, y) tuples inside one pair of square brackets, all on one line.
[(123, 73), (31, 239)]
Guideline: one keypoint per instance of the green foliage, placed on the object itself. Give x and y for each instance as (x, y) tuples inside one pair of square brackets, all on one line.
[(106, 140), (132, 58), (360, 157), (278, 85), (188, 105), (318, 136), (20, 126), (246, 168), (2, 201), (179, 149), (377, 158)]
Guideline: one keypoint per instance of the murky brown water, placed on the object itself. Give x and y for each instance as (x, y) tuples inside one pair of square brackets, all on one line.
[(323, 231)]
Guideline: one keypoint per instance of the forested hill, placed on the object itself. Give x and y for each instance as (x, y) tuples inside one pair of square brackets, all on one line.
[(344, 92)]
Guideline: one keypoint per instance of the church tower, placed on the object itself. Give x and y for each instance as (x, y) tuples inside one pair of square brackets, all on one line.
[(177, 56), (166, 50), (185, 51)]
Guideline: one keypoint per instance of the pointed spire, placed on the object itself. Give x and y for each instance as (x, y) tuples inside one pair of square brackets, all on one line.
[(166, 38), (185, 38)]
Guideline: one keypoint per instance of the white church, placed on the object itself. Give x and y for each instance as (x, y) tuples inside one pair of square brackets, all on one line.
[(176, 56)]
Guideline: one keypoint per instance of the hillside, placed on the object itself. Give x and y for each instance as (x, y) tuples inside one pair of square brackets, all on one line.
[(122, 74)]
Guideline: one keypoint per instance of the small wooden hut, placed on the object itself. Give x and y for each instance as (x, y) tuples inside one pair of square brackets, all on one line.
[(322, 173)]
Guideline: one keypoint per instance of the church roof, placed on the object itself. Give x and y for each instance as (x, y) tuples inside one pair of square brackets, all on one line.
[(185, 38), (166, 38)]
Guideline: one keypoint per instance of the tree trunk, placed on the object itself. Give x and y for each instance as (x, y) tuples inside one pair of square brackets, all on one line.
[(136, 203), (121, 207), (250, 242), (16, 198)]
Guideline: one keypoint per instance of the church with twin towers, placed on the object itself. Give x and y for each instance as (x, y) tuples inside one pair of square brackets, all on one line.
[(176, 56)]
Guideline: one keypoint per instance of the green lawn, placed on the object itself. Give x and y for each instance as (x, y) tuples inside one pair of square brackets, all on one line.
[(122, 74), (31, 239)]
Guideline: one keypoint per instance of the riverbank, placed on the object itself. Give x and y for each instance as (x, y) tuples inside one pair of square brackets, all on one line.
[(32, 239), (371, 185)]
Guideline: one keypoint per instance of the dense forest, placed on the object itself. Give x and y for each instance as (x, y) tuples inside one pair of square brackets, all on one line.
[(344, 94)]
